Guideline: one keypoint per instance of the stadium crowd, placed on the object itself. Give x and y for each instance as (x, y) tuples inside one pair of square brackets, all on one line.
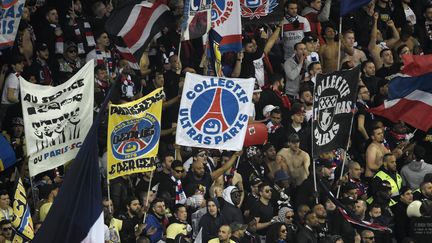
[(263, 193)]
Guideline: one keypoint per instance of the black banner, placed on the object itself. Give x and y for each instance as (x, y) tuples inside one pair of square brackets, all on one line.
[(334, 99), (259, 12)]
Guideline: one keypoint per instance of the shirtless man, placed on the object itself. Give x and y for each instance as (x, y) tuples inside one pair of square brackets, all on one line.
[(375, 152), (377, 44), (358, 56), (271, 162), (329, 51), (296, 160)]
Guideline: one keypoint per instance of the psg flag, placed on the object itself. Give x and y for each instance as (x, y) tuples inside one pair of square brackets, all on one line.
[(334, 99), (133, 26), (256, 12)]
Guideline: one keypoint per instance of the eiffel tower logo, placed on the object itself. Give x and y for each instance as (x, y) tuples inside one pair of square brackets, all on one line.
[(130, 145), (214, 121)]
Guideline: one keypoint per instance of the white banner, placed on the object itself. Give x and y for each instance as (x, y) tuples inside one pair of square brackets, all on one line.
[(10, 16), (214, 112), (57, 119)]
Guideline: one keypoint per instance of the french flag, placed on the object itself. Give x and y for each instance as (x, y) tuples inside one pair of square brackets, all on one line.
[(410, 100), (134, 25), (77, 214)]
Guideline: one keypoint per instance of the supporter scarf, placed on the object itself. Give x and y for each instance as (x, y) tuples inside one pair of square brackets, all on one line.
[(88, 35), (107, 61), (180, 194), (45, 76), (58, 41)]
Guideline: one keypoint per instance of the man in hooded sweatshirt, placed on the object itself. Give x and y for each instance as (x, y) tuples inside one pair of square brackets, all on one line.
[(414, 172), (230, 211)]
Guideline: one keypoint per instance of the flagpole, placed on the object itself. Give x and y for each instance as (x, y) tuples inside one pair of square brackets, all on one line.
[(238, 160), (35, 200), (340, 36), (148, 196), (345, 151), (109, 193), (312, 149)]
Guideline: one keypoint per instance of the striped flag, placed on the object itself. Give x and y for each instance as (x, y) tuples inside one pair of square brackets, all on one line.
[(133, 27), (410, 100), (22, 221)]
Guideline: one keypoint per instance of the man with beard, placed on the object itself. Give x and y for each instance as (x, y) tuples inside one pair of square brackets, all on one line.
[(375, 152), (308, 234), (131, 218), (296, 160), (425, 191), (156, 219), (389, 173), (272, 94), (360, 208), (323, 228), (306, 98), (250, 235)]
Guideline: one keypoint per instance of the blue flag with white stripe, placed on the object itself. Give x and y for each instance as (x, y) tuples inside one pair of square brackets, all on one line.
[(77, 214)]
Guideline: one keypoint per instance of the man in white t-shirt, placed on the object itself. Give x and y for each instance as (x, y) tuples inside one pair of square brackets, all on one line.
[(294, 27)]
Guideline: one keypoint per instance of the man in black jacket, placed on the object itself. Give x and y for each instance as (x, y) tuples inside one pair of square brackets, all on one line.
[(307, 234), (402, 221)]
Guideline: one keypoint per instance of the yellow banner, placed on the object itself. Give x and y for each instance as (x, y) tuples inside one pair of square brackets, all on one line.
[(22, 221), (133, 135)]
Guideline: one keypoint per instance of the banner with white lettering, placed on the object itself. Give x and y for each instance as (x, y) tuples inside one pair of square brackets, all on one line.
[(334, 100), (10, 16), (57, 119), (134, 130), (214, 112)]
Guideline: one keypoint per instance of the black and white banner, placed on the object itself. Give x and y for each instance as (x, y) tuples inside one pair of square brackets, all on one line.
[(334, 99), (57, 119)]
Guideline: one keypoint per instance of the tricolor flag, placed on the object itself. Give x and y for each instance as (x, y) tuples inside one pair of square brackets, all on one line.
[(410, 100), (76, 214), (196, 18), (22, 221), (134, 26), (416, 65), (226, 21), (348, 6)]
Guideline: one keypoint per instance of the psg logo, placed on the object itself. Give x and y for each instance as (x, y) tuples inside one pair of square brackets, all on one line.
[(135, 137), (217, 115), (257, 8), (214, 115), (221, 11)]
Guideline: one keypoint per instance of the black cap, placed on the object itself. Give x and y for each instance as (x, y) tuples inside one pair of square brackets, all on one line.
[(403, 189), (297, 108), (41, 46), (348, 186), (309, 38)]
